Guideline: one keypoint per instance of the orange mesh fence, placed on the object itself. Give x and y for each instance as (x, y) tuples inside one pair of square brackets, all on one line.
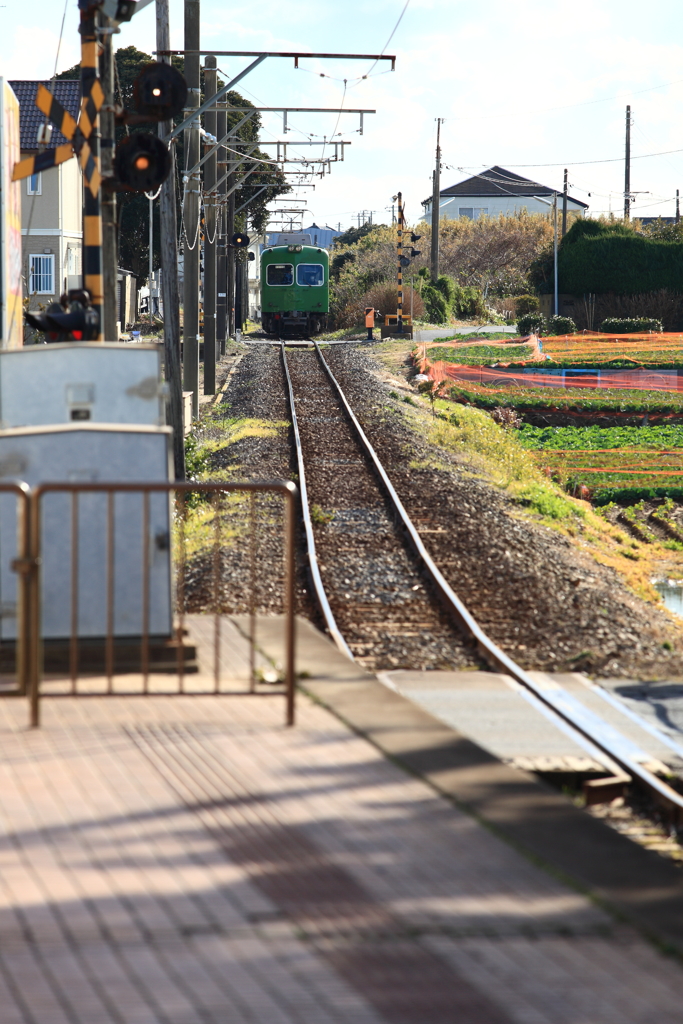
[(497, 378)]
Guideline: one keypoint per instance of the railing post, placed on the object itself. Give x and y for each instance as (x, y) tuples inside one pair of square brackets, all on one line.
[(33, 632), (290, 617)]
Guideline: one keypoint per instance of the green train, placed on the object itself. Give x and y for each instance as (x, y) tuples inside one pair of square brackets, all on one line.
[(295, 289)]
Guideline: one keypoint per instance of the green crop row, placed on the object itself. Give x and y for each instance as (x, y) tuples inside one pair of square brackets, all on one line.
[(666, 435), (479, 355), (570, 400)]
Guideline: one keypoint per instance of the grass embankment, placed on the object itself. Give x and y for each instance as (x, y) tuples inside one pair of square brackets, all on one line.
[(497, 455), (217, 433)]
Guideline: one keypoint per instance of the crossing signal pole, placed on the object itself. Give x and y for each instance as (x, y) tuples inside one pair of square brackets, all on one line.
[(92, 214)]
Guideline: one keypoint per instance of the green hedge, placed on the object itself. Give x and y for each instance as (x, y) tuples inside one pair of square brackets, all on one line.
[(630, 325), (611, 258)]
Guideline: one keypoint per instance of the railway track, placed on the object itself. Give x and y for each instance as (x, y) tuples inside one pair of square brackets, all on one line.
[(384, 600)]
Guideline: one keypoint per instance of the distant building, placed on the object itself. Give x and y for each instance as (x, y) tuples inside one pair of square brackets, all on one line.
[(497, 191), (51, 202), (324, 237), (315, 235)]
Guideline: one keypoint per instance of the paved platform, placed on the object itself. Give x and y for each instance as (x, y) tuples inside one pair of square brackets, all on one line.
[(189, 860), (501, 716)]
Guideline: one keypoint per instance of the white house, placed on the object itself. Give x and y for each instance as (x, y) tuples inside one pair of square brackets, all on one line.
[(51, 203), (497, 191)]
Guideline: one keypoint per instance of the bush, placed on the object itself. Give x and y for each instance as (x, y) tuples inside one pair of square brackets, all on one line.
[(468, 302), (437, 310), (630, 325), (532, 323), (526, 304), (560, 325), (599, 257)]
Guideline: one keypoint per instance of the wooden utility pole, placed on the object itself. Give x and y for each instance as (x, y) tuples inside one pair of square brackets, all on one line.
[(564, 205), (221, 240), (107, 144), (191, 211), (627, 167), (436, 199), (92, 213), (210, 227), (399, 271), (168, 234), (556, 298)]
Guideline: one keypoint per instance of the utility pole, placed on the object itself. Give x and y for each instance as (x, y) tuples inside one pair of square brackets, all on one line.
[(92, 214), (168, 234), (627, 167), (399, 275), (678, 209), (564, 205), (191, 211), (210, 227), (556, 302), (436, 197), (107, 143), (221, 240), (150, 261), (229, 232)]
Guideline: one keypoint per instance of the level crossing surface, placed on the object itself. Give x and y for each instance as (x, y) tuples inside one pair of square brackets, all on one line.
[(190, 859)]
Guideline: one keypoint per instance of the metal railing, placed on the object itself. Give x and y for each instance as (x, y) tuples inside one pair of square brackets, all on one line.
[(96, 615)]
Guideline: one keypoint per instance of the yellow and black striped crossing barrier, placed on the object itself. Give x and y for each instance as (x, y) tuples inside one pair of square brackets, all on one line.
[(77, 134)]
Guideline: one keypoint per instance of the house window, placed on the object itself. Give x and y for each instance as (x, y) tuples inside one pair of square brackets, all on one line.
[(34, 185), (42, 275), (473, 212)]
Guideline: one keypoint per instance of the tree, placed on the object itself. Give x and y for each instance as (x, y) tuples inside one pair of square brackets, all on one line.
[(133, 208)]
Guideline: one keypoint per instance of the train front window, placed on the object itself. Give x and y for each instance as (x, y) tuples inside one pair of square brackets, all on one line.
[(280, 274), (311, 275)]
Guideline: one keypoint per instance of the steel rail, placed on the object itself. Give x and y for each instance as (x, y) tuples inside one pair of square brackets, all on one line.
[(320, 594), (490, 651)]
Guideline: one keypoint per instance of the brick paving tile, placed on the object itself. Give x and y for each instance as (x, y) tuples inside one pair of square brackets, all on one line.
[(191, 861)]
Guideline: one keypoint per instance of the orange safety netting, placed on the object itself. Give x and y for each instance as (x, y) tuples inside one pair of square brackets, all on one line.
[(497, 378)]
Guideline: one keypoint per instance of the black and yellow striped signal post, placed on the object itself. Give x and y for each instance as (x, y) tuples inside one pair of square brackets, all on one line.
[(83, 143), (92, 212)]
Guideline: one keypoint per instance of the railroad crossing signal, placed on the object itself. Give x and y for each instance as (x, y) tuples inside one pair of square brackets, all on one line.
[(77, 133), (141, 163), (240, 241)]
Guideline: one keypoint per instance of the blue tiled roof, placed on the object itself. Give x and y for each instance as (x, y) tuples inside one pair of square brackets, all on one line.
[(67, 91)]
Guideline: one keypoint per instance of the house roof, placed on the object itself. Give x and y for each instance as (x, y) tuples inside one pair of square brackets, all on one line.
[(496, 181), (67, 91)]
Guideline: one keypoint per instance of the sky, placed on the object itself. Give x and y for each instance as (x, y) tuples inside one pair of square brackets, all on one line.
[(532, 86)]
